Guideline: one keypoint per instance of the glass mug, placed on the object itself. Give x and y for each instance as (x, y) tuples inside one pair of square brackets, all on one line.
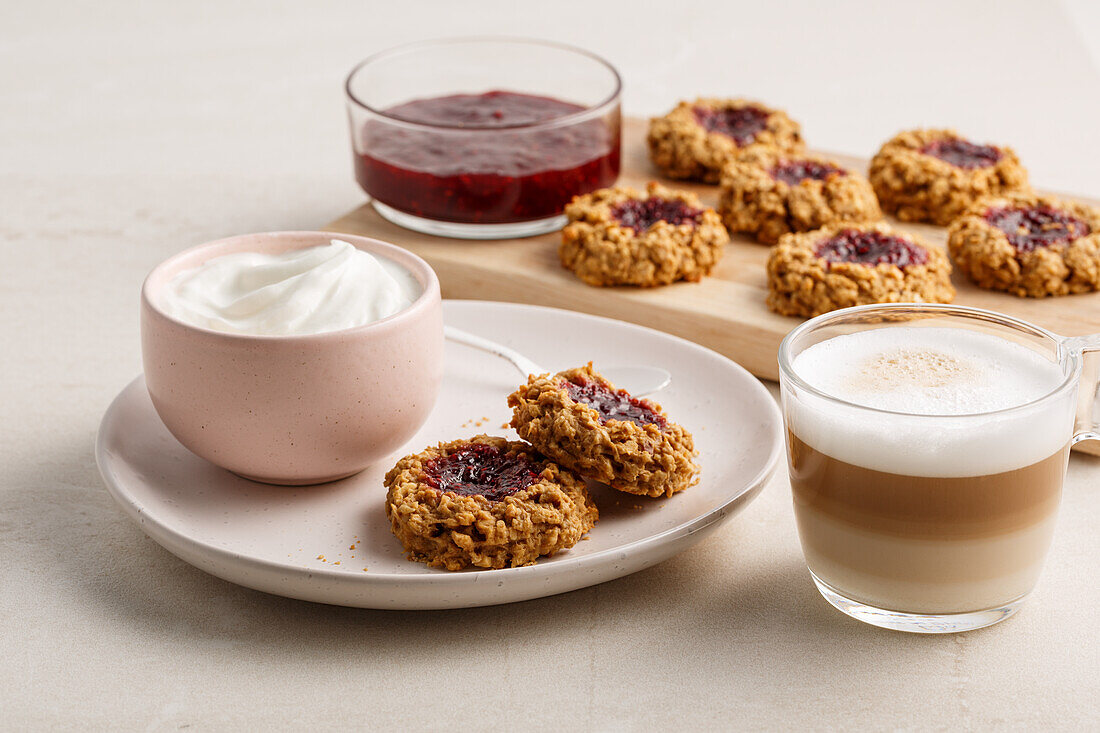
[(931, 523)]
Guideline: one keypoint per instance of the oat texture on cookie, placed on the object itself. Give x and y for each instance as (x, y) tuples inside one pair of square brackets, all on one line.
[(485, 502), (847, 264), (620, 236), (696, 139), (934, 175), (1028, 245), (583, 422), (767, 194)]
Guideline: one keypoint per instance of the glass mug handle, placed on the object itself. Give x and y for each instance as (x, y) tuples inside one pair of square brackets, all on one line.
[(1087, 424)]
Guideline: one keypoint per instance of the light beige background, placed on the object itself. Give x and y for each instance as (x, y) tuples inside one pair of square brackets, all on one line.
[(129, 131)]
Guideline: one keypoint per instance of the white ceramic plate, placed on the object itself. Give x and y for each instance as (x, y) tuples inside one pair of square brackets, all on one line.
[(332, 543)]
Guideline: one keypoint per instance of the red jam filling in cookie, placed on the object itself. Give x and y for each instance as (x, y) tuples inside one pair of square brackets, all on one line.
[(641, 215), (613, 405), (793, 172), (870, 248), (742, 124), (962, 153), (480, 470), (1040, 226)]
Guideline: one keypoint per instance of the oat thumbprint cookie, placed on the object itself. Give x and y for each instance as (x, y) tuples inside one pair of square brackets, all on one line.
[(486, 502), (585, 423)]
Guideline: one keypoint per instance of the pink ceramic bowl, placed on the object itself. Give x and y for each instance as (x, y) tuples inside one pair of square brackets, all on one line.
[(294, 409)]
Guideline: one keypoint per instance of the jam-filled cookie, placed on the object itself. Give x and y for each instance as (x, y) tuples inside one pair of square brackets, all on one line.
[(1028, 245), (583, 422), (485, 502), (618, 236), (696, 139), (846, 264), (933, 175), (768, 194)]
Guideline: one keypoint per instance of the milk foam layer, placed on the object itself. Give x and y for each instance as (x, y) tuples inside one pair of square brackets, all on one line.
[(941, 377), (306, 291), (928, 371)]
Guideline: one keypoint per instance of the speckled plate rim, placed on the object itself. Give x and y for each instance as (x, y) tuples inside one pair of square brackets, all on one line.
[(210, 557)]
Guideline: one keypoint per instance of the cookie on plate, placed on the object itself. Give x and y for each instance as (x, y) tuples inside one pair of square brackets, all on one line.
[(847, 264), (696, 139), (933, 175), (767, 194), (1028, 245), (618, 236), (485, 502), (583, 422)]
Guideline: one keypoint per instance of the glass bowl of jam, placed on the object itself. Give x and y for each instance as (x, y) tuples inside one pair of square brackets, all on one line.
[(483, 138)]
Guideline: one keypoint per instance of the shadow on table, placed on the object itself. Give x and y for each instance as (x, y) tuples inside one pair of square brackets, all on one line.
[(733, 592)]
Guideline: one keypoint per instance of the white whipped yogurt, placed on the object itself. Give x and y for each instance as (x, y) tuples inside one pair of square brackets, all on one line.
[(313, 290)]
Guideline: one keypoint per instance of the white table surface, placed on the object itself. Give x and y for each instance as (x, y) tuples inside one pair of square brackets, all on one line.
[(129, 131)]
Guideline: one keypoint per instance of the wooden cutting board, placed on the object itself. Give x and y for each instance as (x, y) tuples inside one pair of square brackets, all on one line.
[(725, 312)]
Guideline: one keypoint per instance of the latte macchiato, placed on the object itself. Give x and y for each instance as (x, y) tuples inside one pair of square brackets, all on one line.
[(942, 498)]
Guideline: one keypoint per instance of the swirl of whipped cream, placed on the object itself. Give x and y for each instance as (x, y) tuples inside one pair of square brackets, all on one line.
[(305, 291)]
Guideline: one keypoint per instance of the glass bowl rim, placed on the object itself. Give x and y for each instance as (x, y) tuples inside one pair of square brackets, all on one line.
[(590, 112)]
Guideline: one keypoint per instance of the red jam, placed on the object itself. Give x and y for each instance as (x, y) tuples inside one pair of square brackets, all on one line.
[(794, 172), (613, 405), (480, 470), (871, 248), (742, 124), (963, 153), (467, 170), (1041, 226), (641, 215)]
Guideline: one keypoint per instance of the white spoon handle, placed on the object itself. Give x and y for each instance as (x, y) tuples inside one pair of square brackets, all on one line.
[(637, 380), (519, 361)]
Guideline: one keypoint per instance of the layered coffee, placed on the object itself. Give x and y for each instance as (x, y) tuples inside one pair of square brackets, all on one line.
[(941, 498)]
